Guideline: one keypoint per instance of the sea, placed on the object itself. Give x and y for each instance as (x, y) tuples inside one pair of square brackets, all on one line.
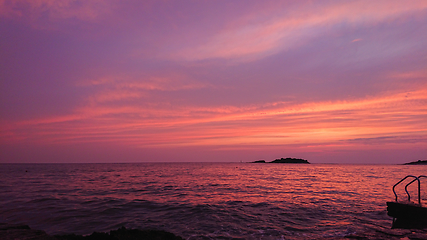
[(210, 200)]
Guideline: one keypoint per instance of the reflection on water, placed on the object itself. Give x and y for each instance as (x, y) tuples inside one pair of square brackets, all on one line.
[(204, 199)]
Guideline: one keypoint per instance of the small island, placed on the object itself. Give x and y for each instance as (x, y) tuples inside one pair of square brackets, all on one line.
[(419, 162), (285, 160)]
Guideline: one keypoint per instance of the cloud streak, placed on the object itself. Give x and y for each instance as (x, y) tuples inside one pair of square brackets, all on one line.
[(398, 116), (253, 38)]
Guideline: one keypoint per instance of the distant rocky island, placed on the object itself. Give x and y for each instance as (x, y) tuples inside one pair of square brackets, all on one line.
[(285, 160), (419, 162)]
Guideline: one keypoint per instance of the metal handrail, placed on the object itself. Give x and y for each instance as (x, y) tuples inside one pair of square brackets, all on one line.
[(419, 188), (416, 178)]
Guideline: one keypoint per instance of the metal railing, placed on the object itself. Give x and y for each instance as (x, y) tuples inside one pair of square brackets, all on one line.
[(406, 187)]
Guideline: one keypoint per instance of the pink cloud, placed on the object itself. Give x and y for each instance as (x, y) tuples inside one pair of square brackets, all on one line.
[(256, 38)]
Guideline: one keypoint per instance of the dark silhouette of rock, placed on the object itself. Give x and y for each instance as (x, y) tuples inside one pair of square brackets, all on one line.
[(23, 232), (124, 234), (285, 160), (419, 162), (290, 160), (259, 161)]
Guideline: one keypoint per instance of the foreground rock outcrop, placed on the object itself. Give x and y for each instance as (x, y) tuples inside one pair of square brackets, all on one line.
[(24, 232)]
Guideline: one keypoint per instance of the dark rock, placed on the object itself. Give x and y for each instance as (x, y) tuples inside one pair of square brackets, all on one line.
[(6, 226), (259, 161), (23, 232), (419, 162), (290, 160), (124, 234), (285, 160)]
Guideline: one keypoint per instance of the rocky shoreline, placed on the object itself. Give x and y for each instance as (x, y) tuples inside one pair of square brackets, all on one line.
[(24, 232)]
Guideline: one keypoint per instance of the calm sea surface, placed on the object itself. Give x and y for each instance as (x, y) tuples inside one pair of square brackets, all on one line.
[(207, 200)]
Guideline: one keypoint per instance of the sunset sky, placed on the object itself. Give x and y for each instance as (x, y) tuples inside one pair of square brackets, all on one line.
[(156, 81)]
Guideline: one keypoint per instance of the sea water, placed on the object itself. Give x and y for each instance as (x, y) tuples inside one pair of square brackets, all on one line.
[(208, 200)]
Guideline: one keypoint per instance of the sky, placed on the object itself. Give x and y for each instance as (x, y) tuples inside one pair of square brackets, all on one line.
[(213, 81)]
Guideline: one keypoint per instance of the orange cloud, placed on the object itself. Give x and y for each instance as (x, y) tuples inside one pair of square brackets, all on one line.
[(392, 119)]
